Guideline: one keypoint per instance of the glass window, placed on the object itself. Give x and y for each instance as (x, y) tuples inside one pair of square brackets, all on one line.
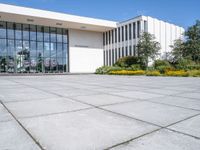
[(107, 58), (104, 58), (109, 37), (10, 30), (32, 33), (3, 63), (130, 32), (3, 51), (53, 49), (60, 64), (134, 50), (122, 33), (115, 54), (53, 34), (40, 30), (103, 39), (65, 36), (40, 49), (145, 26), (24, 48), (112, 36), (18, 31), (130, 50), (110, 58), (11, 48), (119, 35), (33, 49), (59, 50), (65, 67), (65, 49), (126, 51), (119, 53), (46, 34), (115, 35), (138, 29), (106, 38), (134, 30), (2, 30), (18, 46), (122, 51), (46, 49), (113, 58), (59, 35), (54, 64), (126, 32), (25, 32)]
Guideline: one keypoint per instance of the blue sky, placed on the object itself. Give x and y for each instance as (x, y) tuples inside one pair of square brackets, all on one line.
[(180, 12)]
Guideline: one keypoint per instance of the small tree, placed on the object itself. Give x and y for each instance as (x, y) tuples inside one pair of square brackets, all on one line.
[(190, 48), (178, 50), (192, 43), (147, 47)]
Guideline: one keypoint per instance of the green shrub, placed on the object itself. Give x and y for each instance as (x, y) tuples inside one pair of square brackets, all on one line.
[(107, 69), (158, 63), (135, 67), (180, 73), (129, 61), (162, 66), (194, 73), (127, 72), (186, 64), (163, 69), (151, 68), (153, 73)]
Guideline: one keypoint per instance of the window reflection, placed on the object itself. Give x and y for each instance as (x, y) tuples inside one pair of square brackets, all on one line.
[(10, 30), (2, 30), (30, 48)]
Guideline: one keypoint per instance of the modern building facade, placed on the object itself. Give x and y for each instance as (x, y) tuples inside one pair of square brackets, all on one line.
[(122, 40), (38, 41)]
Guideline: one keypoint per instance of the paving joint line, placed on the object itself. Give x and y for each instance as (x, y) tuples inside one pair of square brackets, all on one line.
[(148, 100), (160, 127), (132, 139), (57, 113), (165, 127), (21, 125)]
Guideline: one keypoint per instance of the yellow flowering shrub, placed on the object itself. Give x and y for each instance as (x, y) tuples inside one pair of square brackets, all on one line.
[(194, 73), (128, 72), (180, 73), (153, 73)]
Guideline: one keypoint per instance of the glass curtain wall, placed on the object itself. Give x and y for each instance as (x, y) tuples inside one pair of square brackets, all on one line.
[(28, 48)]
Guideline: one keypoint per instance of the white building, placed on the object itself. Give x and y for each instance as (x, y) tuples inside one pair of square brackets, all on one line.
[(49, 42)]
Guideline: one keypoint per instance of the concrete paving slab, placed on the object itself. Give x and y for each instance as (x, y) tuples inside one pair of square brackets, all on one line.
[(162, 140), (4, 115), (13, 137), (178, 101), (162, 91), (26, 95), (159, 114), (195, 95), (44, 107), (94, 128), (88, 129), (138, 95), (102, 99), (75, 92), (109, 90), (190, 126)]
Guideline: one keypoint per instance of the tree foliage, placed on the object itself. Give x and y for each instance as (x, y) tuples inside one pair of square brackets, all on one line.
[(147, 47), (190, 48)]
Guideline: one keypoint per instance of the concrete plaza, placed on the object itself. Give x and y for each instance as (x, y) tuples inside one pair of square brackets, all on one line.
[(89, 112)]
